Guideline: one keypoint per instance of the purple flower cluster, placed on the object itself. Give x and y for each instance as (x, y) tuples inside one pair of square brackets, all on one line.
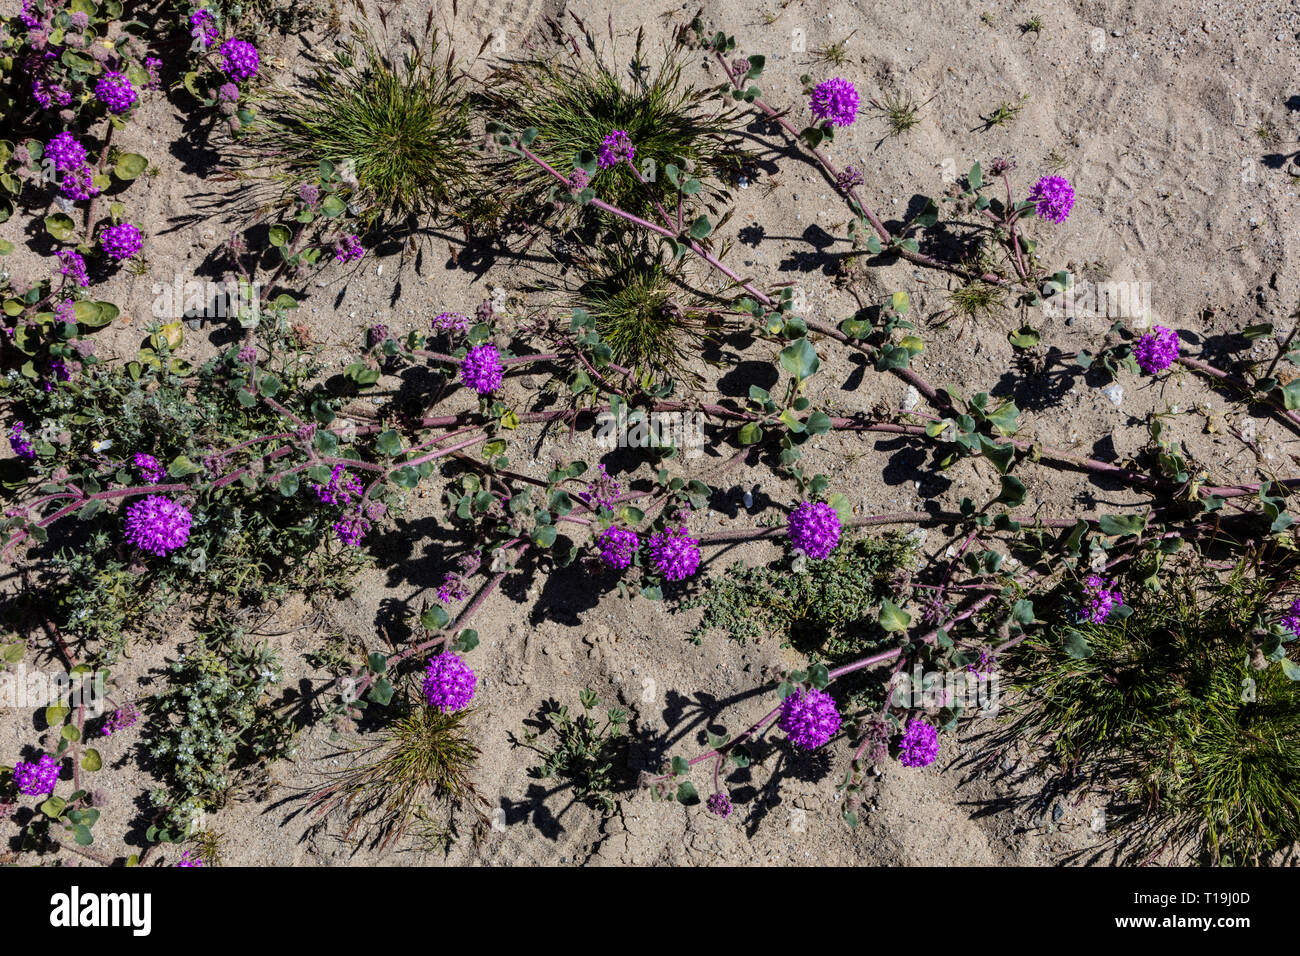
[(377, 335), (814, 529), (351, 529), (121, 241), (481, 369), (69, 158), (450, 322), (37, 779), (602, 492), (453, 588), (809, 718), (115, 91), (121, 719), (158, 525), (238, 59), (150, 471), (1053, 198), (342, 489), (203, 28), (1101, 600), (448, 682), (835, 101), (65, 152), (19, 443), (674, 553), (348, 249), (919, 746), (1291, 620), (617, 546), (614, 149), (719, 804), (228, 93), (187, 860), (73, 266), (1156, 350)]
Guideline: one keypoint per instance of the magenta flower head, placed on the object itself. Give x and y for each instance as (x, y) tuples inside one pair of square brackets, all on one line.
[(342, 489), (835, 101), (814, 529), (1291, 620), (158, 525), (1101, 600), (448, 682), (1156, 350), (150, 471), (451, 322), (65, 152), (919, 746), (481, 369), (19, 443), (350, 529), (72, 265), (37, 779), (1053, 198), (348, 249), (79, 183), (115, 91), (614, 149), (238, 59), (809, 718), (121, 241), (674, 553), (203, 28), (719, 804), (617, 546), (187, 860)]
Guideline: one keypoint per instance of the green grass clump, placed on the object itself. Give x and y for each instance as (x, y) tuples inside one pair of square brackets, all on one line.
[(590, 757), (1188, 704), (829, 608), (575, 106), (399, 133), (421, 763), (644, 311)]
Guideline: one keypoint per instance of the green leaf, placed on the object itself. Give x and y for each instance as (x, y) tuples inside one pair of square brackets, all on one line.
[(1025, 337), (701, 227), (1291, 394), (892, 617), (686, 794), (1004, 419), (1013, 492), (1122, 524), (751, 433), (59, 226), (130, 165), (681, 767), (389, 443), (278, 235), (1076, 645), (53, 807), (544, 535), (800, 359), (975, 177), (434, 619), (91, 760), (382, 692)]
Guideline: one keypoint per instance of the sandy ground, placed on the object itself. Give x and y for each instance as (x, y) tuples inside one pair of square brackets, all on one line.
[(1154, 111)]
